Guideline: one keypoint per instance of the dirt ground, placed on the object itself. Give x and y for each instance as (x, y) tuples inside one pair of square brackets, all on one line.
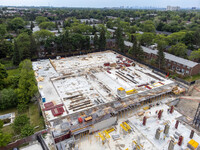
[(188, 107)]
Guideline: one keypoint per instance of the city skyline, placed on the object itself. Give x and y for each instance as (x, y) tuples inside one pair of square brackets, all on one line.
[(102, 3)]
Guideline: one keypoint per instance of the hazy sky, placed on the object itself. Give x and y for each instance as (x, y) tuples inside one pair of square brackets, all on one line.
[(101, 3)]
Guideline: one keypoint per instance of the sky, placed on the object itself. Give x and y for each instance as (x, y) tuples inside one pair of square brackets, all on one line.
[(102, 3)]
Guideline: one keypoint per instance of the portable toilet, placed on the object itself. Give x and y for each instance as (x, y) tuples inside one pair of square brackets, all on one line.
[(43, 100)]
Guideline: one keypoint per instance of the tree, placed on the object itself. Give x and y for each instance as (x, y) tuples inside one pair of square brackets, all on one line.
[(16, 58), (3, 75), (6, 48), (19, 122), (41, 19), (56, 25), (17, 23), (160, 55), (102, 39), (197, 37), (27, 83), (33, 46), (27, 130), (23, 43), (140, 52), (136, 50), (147, 38), (47, 25), (87, 43), (179, 50), (12, 81), (119, 39), (189, 39), (110, 24), (195, 55), (94, 30), (176, 37), (148, 26), (3, 30), (4, 138), (96, 41), (32, 26), (8, 99), (42, 35)]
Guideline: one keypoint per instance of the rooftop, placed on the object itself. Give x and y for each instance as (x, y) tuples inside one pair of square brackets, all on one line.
[(168, 56)]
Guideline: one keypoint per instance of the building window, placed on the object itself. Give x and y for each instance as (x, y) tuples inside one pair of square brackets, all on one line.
[(173, 67), (178, 69)]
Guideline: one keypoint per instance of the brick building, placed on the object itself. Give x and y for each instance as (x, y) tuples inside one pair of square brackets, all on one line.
[(172, 62)]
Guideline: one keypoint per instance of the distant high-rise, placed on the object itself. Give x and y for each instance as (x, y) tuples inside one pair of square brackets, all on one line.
[(194, 8), (173, 8)]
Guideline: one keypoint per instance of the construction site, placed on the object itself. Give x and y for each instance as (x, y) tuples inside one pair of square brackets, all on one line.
[(105, 100)]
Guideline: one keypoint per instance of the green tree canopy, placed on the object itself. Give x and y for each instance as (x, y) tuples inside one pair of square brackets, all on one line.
[(161, 55), (136, 50), (148, 26), (27, 83), (102, 39), (8, 99), (96, 41), (47, 25), (176, 37), (17, 23), (42, 35), (195, 55), (27, 130), (3, 30), (41, 19), (4, 138), (19, 122), (119, 39), (23, 43), (3, 75), (147, 38), (179, 49), (16, 55), (6, 48)]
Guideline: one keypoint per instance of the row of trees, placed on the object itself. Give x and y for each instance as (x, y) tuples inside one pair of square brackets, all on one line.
[(17, 90)]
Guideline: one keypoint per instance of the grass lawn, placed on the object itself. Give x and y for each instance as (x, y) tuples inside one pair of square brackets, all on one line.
[(32, 113), (192, 78), (35, 118), (2, 112)]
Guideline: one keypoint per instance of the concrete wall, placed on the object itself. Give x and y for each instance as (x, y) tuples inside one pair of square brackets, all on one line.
[(104, 124)]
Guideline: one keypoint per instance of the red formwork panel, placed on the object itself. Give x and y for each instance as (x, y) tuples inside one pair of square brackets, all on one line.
[(48, 105), (106, 64), (57, 111), (53, 107)]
